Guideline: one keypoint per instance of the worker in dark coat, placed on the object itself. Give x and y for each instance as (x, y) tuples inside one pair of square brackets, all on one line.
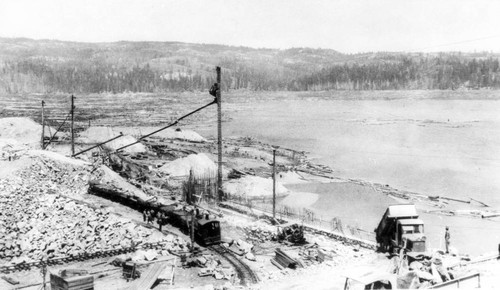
[(161, 220), (144, 215), (447, 237)]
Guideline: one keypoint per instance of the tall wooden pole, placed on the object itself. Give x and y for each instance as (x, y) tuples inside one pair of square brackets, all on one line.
[(72, 125), (191, 228), (219, 134), (274, 183), (42, 141)]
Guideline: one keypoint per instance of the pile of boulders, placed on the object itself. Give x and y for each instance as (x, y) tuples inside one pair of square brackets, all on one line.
[(258, 234), (427, 271), (212, 266), (53, 173), (39, 219)]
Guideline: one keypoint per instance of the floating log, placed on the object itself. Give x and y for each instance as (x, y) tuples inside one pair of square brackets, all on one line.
[(490, 215), (480, 202), (454, 199)]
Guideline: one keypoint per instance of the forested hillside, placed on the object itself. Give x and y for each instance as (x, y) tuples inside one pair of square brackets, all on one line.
[(46, 66)]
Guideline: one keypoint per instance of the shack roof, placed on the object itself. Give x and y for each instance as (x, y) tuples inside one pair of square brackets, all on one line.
[(402, 210)]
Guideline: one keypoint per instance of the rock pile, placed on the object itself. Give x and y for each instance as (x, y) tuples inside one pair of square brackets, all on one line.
[(36, 226), (53, 173), (37, 221), (258, 234), (429, 270), (212, 266)]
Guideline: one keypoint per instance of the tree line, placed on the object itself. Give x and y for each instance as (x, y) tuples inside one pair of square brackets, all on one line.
[(396, 72)]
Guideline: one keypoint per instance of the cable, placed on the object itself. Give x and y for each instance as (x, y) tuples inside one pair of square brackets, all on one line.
[(168, 126), (53, 136)]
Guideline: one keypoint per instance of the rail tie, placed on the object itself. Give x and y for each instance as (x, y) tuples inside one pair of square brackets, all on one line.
[(245, 273)]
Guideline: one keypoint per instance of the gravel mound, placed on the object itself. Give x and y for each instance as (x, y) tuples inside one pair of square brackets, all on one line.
[(101, 134), (24, 130), (179, 134), (199, 163), (253, 187)]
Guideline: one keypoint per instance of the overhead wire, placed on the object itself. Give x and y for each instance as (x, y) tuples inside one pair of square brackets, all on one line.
[(168, 126)]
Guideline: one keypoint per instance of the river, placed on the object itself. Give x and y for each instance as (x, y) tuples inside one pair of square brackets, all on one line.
[(447, 145)]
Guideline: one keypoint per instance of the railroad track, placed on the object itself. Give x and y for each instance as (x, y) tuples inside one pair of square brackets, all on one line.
[(245, 274), (80, 258)]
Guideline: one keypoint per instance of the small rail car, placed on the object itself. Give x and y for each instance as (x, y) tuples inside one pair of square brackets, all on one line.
[(206, 230)]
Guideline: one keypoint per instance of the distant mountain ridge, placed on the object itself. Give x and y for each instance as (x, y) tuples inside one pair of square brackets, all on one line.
[(45, 66)]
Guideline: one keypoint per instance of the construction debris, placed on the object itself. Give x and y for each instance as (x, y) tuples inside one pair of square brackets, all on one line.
[(212, 266), (284, 260), (293, 234)]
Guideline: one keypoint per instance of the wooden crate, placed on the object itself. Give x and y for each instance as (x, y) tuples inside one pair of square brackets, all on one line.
[(71, 283)]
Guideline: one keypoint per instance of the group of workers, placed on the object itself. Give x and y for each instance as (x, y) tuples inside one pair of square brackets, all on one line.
[(150, 215)]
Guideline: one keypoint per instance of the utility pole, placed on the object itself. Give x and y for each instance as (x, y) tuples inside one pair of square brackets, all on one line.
[(42, 142), (72, 125), (191, 228), (274, 183), (219, 134)]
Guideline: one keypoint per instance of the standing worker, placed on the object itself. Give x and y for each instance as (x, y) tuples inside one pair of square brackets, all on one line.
[(447, 240), (161, 220), (149, 216)]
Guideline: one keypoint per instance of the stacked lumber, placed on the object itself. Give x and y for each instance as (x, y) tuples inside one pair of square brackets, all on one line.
[(282, 260), (71, 283), (148, 278)]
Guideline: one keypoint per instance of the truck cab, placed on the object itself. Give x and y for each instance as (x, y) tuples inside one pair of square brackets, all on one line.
[(400, 228), (409, 235)]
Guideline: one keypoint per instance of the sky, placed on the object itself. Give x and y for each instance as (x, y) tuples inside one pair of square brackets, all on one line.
[(348, 26)]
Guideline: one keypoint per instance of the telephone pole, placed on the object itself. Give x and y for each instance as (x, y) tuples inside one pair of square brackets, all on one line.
[(72, 125), (42, 142), (219, 134), (274, 183)]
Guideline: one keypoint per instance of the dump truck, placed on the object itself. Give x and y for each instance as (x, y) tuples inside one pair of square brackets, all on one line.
[(400, 228)]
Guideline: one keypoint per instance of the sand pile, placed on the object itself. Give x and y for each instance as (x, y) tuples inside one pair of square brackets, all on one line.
[(253, 187), (199, 163), (137, 132), (180, 134), (101, 134), (23, 130)]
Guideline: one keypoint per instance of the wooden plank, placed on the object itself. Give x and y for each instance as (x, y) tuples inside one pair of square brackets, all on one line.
[(10, 280), (148, 278)]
